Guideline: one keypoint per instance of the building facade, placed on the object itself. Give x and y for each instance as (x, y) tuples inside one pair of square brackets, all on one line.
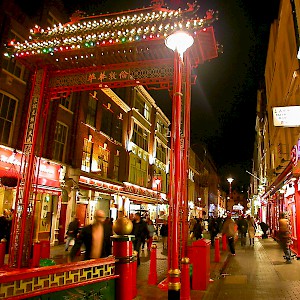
[(276, 157)]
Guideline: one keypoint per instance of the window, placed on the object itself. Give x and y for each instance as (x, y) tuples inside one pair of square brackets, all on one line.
[(103, 161), (116, 166), (106, 120), (138, 171), (142, 107), (7, 115), (9, 64), (60, 138), (160, 127), (111, 124), (117, 129), (86, 155), (66, 101), (92, 108), (160, 152), (140, 137)]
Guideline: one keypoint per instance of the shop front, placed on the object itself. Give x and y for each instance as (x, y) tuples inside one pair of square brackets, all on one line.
[(48, 192), (94, 194), (283, 197)]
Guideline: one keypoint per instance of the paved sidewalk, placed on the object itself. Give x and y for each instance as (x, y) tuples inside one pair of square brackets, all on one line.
[(258, 272)]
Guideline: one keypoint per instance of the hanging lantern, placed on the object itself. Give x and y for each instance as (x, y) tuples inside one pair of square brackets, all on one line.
[(10, 177)]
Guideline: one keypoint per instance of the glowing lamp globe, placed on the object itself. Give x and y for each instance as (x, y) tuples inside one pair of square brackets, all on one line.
[(179, 41), (122, 226)]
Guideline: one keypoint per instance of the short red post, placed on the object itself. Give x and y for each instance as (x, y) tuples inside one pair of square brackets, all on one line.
[(185, 292), (224, 242), (123, 252), (36, 256), (2, 252), (217, 249), (152, 277), (200, 258), (134, 274), (45, 249)]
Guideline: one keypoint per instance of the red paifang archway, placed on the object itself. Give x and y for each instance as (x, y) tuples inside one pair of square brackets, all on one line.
[(107, 51)]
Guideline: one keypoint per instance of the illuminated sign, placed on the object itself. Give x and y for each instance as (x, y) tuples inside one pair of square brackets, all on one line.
[(48, 171), (286, 116)]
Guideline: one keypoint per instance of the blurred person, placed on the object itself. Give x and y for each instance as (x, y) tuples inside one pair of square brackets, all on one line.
[(198, 229), (285, 236), (242, 225), (251, 229), (164, 234), (140, 231), (73, 230), (229, 230), (95, 237), (151, 230), (213, 228), (264, 227)]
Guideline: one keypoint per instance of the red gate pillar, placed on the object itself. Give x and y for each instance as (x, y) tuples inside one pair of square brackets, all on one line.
[(174, 272), (22, 227), (123, 252)]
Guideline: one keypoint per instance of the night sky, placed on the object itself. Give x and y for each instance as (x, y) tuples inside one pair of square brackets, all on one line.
[(224, 97)]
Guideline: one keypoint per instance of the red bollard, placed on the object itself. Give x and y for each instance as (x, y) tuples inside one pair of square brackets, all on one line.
[(36, 256), (134, 274), (224, 242), (217, 249), (185, 291), (123, 252), (2, 252), (200, 258), (152, 277), (45, 249)]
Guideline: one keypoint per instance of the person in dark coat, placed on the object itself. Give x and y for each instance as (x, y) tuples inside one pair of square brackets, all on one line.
[(213, 228), (242, 225), (140, 231), (164, 234), (95, 237), (198, 229), (72, 232), (264, 227)]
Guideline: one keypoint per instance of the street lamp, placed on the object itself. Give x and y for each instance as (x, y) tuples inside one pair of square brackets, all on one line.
[(179, 42), (230, 182)]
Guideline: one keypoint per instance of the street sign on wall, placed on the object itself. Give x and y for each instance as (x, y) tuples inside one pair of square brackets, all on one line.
[(286, 116)]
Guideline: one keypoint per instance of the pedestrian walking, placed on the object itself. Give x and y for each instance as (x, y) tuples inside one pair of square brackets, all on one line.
[(251, 229), (264, 227), (198, 229), (72, 232), (229, 230), (285, 236), (213, 228), (151, 230), (242, 225), (140, 231), (164, 234), (95, 237)]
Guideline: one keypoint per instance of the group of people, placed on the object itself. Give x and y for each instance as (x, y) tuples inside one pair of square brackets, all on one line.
[(243, 226), (97, 241), (96, 237)]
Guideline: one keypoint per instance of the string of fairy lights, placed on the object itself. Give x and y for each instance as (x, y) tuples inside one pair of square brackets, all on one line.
[(89, 33)]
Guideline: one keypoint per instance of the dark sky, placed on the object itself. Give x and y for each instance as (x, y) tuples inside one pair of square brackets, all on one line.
[(224, 97)]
